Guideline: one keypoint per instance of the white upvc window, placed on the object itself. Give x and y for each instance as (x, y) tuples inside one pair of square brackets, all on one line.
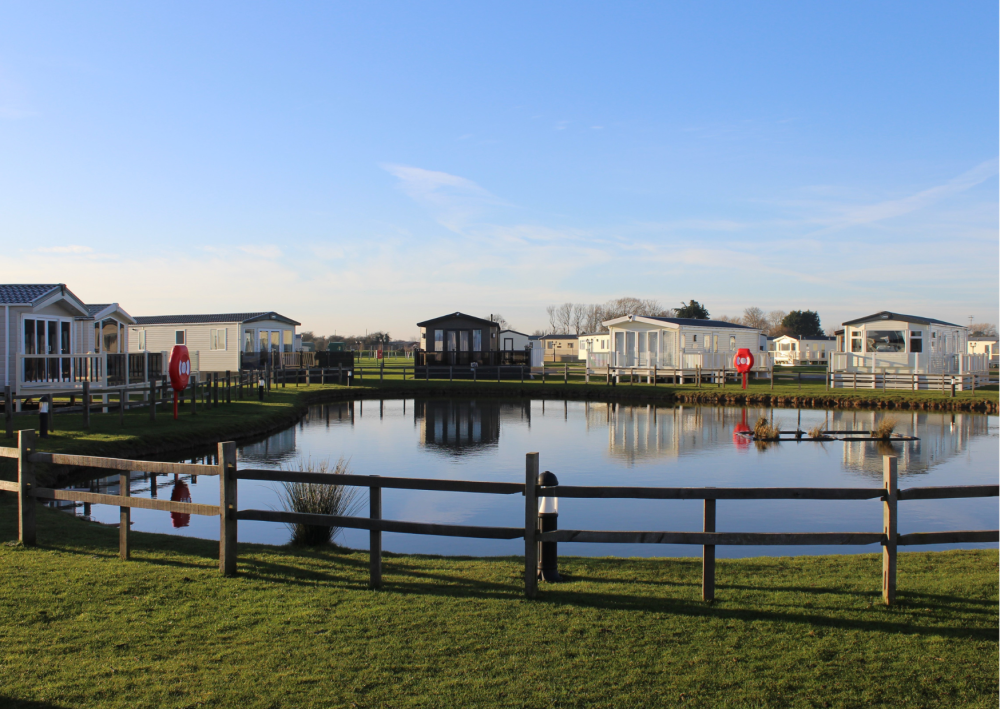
[(218, 339), (180, 337), (141, 339)]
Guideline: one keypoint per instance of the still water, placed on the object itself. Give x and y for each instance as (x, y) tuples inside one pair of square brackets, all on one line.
[(600, 444)]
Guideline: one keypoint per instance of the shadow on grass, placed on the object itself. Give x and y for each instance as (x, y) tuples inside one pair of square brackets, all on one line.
[(15, 703), (599, 583)]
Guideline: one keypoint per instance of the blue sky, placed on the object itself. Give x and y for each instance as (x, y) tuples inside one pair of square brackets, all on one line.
[(365, 166)]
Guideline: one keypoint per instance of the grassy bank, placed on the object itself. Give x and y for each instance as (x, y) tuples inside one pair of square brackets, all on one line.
[(79, 628)]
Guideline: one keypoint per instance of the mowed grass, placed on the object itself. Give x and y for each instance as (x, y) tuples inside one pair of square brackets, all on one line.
[(299, 628)]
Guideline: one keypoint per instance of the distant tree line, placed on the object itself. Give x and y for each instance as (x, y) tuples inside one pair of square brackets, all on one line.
[(580, 318), (369, 341)]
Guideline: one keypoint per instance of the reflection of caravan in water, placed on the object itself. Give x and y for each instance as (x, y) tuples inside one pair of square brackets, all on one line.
[(272, 449), (942, 436), (637, 432), (465, 426)]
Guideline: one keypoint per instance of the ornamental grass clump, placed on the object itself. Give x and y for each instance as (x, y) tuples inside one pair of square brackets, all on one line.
[(883, 428), (318, 499), (764, 430), (816, 432)]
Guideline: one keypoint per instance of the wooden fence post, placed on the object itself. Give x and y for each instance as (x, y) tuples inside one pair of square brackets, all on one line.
[(229, 389), (530, 526), (122, 402), (227, 508), (194, 396), (124, 516), (565, 374), (708, 555), (152, 400), (889, 478), (25, 483), (375, 538)]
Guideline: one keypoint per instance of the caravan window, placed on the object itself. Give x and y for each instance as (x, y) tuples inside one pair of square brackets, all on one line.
[(732, 343), (886, 340)]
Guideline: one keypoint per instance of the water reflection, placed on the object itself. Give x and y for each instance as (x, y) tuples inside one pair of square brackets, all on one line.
[(180, 493), (460, 427), (587, 443), (275, 448)]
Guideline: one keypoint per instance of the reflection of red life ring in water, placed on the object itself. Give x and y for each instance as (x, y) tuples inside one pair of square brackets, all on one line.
[(180, 494), (739, 440)]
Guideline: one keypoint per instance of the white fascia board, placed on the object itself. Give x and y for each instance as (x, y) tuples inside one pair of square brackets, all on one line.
[(114, 309), (640, 319), (57, 294)]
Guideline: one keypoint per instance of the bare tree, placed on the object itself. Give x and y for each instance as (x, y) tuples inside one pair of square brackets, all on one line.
[(564, 316), (501, 321), (579, 317), (553, 318), (774, 319), (984, 329), (593, 318), (755, 317)]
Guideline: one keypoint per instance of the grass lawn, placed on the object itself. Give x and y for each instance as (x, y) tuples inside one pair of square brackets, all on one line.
[(299, 628)]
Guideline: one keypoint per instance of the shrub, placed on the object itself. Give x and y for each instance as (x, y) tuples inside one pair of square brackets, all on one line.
[(320, 499), (883, 428), (764, 430)]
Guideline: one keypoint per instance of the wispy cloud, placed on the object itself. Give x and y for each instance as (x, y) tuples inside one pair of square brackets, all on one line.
[(71, 249), (262, 250), (869, 214), (454, 201)]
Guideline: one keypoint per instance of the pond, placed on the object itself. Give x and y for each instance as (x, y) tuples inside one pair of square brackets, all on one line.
[(587, 443)]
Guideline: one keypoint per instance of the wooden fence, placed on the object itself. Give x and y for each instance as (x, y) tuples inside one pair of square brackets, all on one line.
[(229, 514), (212, 391)]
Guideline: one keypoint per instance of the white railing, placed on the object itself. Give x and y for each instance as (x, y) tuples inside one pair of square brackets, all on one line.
[(917, 363), (763, 361), (71, 371)]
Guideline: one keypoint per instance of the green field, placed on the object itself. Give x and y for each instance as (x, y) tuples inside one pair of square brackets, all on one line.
[(299, 628)]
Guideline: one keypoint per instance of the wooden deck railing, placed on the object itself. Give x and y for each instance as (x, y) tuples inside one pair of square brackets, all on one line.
[(532, 490)]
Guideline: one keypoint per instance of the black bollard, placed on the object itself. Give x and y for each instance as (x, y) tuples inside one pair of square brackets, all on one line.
[(548, 521)]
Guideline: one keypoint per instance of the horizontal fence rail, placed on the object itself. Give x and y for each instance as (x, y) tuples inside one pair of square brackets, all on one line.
[(713, 538), (717, 493), (143, 466), (539, 530), (126, 501), (383, 525), (496, 488)]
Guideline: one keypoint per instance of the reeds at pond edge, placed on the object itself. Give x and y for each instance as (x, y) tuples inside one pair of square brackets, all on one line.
[(320, 499)]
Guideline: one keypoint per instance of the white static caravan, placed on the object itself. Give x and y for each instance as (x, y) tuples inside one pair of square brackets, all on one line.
[(909, 347), (981, 344), (54, 341), (790, 350), (217, 342), (594, 342), (678, 343), (514, 341)]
